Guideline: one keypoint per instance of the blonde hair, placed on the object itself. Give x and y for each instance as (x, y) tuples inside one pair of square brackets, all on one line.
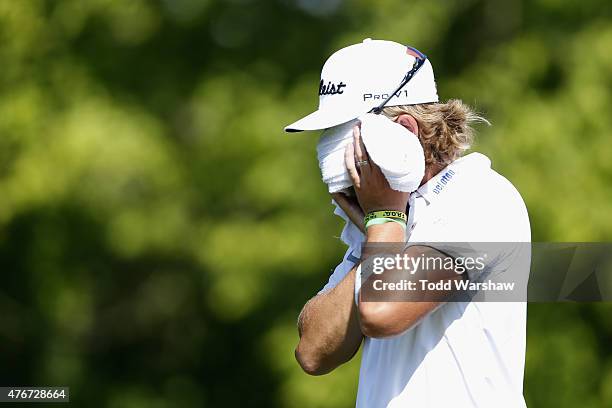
[(445, 129)]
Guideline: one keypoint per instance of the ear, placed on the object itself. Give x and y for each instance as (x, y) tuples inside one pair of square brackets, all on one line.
[(408, 122)]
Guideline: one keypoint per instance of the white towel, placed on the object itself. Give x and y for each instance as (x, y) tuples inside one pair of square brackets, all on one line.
[(395, 149)]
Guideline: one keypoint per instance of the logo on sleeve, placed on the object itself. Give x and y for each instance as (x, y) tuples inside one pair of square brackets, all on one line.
[(331, 88), (443, 181)]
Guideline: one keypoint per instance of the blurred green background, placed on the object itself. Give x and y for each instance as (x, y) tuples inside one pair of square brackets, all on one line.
[(159, 233)]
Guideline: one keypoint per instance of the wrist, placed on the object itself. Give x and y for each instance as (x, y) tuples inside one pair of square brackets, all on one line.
[(387, 232)]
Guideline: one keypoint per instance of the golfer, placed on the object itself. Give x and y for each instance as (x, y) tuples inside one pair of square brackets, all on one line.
[(438, 353)]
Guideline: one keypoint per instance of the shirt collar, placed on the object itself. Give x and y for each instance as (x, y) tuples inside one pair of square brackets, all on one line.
[(437, 185)]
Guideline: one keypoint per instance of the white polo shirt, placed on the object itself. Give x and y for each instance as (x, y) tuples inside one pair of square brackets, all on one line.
[(463, 354)]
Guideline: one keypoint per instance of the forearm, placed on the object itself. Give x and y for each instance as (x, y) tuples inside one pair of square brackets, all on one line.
[(372, 319), (379, 319), (329, 329)]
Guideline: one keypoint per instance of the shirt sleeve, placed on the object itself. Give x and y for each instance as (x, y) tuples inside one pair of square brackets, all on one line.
[(353, 238), (481, 260), (348, 262), (494, 241)]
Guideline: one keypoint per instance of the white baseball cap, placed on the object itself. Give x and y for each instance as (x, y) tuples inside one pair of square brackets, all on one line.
[(365, 77)]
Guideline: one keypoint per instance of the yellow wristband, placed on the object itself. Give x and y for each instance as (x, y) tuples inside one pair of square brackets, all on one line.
[(398, 215)]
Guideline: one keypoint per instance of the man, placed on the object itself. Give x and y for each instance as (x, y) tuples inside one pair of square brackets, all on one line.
[(434, 353)]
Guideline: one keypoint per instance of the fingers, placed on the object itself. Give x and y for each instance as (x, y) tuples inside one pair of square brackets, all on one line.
[(338, 197), (349, 160), (374, 167), (361, 155), (348, 204), (351, 207), (362, 147)]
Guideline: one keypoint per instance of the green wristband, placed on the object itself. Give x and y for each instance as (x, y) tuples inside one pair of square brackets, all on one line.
[(378, 221)]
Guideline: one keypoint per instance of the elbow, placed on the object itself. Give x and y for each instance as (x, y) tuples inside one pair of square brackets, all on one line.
[(378, 321), (309, 361)]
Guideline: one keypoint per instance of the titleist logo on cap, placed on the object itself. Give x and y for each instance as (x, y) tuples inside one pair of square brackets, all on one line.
[(331, 88)]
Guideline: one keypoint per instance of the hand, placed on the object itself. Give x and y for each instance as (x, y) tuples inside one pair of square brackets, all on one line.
[(371, 186), (351, 207)]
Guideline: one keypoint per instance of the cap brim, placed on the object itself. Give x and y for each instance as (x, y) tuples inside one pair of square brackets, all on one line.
[(322, 119)]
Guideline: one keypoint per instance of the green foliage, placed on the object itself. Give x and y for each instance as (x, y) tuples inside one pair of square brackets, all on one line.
[(159, 233)]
